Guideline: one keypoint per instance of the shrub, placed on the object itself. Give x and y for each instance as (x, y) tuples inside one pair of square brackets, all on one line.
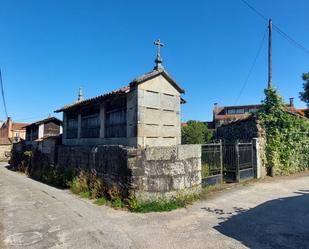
[(287, 136), (80, 183)]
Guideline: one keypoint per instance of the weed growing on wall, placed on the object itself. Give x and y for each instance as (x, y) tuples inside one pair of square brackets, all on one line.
[(287, 136)]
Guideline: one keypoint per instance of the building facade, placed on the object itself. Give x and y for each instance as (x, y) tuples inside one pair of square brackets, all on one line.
[(12, 131), (227, 114), (48, 127), (144, 113)]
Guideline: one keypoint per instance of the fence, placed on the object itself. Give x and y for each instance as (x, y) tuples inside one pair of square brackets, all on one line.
[(229, 162)]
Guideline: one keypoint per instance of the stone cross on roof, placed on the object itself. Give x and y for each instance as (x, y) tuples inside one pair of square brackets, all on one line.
[(158, 60)]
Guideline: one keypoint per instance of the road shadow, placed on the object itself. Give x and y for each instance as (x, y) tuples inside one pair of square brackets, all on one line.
[(280, 223)]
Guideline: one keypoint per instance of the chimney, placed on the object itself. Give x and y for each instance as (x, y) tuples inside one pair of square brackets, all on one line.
[(10, 127), (291, 102)]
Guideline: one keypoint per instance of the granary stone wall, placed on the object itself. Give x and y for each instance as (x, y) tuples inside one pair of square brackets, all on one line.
[(158, 114)]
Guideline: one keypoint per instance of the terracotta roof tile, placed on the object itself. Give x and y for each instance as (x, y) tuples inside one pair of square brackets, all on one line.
[(18, 126), (125, 89)]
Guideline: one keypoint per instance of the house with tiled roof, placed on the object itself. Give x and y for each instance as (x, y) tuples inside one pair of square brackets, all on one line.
[(44, 128), (146, 112), (227, 114), (12, 131)]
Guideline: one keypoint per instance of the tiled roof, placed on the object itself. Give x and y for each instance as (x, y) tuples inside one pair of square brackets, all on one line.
[(120, 91), (18, 126), (43, 121), (125, 90)]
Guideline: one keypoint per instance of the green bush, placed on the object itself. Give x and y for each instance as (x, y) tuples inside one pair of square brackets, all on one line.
[(287, 136)]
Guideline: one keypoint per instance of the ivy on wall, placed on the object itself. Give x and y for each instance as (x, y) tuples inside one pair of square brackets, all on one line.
[(287, 136)]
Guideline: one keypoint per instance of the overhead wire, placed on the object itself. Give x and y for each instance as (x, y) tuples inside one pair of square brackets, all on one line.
[(3, 96), (276, 28), (252, 67)]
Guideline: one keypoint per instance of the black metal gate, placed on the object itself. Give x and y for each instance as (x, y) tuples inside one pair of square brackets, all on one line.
[(238, 161), (212, 170), (231, 162)]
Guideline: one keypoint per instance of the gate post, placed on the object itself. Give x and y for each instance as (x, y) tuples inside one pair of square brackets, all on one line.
[(237, 173), (221, 161), (257, 158)]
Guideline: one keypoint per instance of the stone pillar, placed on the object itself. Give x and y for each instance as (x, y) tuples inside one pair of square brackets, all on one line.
[(257, 158), (102, 121), (79, 125)]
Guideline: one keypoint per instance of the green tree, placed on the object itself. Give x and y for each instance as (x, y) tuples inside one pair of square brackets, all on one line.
[(195, 133), (304, 96)]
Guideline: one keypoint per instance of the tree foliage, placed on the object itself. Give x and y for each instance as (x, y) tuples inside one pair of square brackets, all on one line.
[(195, 133), (304, 96), (287, 136)]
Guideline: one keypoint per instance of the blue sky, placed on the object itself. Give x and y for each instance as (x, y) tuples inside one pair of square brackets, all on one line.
[(49, 48)]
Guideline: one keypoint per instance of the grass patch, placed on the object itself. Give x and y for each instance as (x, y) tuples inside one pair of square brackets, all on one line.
[(158, 206), (101, 201), (117, 203), (85, 195)]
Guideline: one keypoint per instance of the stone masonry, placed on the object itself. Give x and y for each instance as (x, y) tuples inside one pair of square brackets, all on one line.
[(145, 173)]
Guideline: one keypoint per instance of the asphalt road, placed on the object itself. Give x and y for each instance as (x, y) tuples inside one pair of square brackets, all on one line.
[(264, 214)]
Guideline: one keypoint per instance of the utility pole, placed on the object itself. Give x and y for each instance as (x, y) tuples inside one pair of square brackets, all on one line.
[(270, 73)]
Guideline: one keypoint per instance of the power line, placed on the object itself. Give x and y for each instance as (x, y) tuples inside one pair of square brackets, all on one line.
[(276, 28), (290, 39), (3, 98), (252, 67), (255, 10)]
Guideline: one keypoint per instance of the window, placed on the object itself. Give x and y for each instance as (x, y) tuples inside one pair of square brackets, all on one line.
[(231, 111), (253, 110), (90, 127), (240, 111), (116, 118), (71, 126)]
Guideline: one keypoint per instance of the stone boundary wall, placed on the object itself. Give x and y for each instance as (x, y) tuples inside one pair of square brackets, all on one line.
[(244, 130), (5, 150), (165, 171), (145, 173)]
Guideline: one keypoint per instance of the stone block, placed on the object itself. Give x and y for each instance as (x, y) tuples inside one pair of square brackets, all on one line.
[(160, 153), (159, 184), (177, 168), (186, 151), (178, 183)]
